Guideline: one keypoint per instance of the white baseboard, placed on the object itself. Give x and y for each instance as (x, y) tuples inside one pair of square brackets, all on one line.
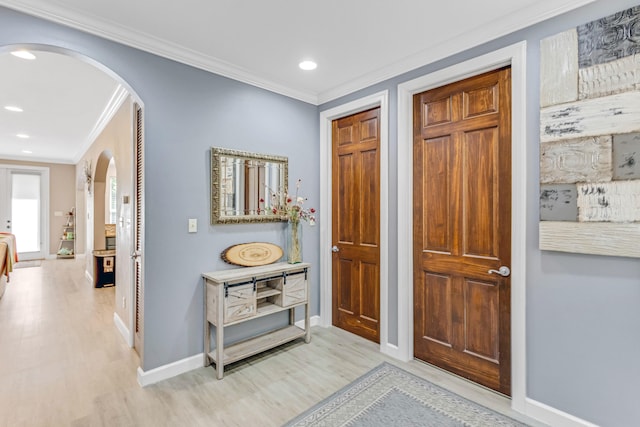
[(552, 416), (392, 350), (55, 256), (533, 408), (314, 320), (185, 365), (122, 328), (171, 370)]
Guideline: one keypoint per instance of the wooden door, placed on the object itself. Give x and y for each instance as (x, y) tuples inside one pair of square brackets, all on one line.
[(356, 223), (462, 228)]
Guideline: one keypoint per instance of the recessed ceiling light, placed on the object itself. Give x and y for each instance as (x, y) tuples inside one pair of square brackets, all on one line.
[(13, 108), (308, 65), (22, 135), (27, 152), (24, 54)]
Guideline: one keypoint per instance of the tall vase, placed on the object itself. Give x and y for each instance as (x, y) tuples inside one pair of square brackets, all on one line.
[(294, 242)]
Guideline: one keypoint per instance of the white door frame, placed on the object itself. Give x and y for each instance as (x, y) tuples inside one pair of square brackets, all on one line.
[(44, 206), (514, 55), (380, 99)]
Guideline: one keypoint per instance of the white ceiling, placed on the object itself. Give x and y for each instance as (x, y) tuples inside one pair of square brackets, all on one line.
[(65, 102), (356, 43)]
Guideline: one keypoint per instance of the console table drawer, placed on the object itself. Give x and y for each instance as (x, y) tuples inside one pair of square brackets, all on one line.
[(293, 288), (239, 302)]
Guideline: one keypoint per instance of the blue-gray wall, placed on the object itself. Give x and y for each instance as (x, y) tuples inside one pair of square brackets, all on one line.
[(187, 111), (583, 312), (583, 320)]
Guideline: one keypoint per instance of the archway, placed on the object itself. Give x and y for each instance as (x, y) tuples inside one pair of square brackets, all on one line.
[(123, 105), (100, 205)]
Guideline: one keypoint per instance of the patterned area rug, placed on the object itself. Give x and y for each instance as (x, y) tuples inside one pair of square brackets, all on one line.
[(389, 396)]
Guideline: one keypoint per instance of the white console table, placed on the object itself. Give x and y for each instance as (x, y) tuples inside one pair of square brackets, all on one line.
[(241, 294)]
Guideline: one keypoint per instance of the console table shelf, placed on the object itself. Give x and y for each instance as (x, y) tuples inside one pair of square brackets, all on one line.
[(267, 292), (241, 294), (252, 346)]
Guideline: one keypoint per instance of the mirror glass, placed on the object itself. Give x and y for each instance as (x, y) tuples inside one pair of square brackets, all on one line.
[(243, 186)]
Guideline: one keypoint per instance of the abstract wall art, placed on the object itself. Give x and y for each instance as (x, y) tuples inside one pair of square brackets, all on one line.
[(590, 137)]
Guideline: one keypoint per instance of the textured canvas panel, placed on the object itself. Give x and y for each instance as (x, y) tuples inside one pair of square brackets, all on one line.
[(608, 115), (609, 78), (609, 38), (626, 156), (559, 68), (598, 238), (590, 147), (558, 202), (617, 201), (576, 160)]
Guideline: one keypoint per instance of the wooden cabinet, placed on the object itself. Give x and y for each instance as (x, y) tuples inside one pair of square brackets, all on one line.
[(104, 268), (240, 295)]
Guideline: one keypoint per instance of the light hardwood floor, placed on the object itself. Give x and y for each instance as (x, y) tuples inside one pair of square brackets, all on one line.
[(63, 363)]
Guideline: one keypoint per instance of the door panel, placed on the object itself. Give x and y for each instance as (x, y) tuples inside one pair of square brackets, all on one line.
[(25, 212), (437, 226), (479, 101), (462, 223), (369, 206), (481, 320), (369, 279), (437, 295), (479, 152), (345, 221), (356, 223), (344, 301), (22, 209)]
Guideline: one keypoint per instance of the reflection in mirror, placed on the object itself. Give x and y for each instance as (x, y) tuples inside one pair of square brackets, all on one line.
[(245, 182), (243, 185)]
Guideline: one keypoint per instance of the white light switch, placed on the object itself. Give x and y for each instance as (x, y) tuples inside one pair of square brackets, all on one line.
[(193, 225), (57, 213)]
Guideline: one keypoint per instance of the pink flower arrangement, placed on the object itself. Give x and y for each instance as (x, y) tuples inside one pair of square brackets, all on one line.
[(293, 209)]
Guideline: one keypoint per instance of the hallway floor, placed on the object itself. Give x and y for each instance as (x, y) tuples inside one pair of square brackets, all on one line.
[(63, 363)]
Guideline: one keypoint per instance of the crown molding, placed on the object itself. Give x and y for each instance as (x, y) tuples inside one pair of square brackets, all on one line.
[(165, 48), (110, 110), (500, 27), (36, 159), (113, 31)]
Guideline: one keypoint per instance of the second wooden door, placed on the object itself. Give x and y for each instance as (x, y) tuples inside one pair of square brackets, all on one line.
[(356, 223)]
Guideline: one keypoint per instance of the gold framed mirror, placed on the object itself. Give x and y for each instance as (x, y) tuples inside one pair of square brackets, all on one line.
[(243, 185)]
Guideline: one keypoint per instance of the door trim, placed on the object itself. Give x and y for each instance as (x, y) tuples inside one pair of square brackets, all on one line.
[(43, 171), (514, 55), (380, 99)]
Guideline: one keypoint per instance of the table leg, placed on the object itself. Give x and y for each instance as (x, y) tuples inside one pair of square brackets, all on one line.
[(207, 330), (307, 323), (219, 351)]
